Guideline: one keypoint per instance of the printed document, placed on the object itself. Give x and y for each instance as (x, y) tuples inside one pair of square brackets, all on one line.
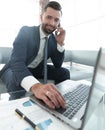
[(9, 120)]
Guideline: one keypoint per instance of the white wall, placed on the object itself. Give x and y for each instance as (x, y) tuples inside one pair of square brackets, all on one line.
[(84, 21), (13, 15)]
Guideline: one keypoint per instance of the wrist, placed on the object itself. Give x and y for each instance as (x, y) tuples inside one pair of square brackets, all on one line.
[(60, 48), (60, 44)]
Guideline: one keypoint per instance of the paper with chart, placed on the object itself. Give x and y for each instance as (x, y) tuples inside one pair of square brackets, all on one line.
[(10, 121)]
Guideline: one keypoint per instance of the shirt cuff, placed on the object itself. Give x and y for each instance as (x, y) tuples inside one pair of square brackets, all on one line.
[(60, 48), (28, 82)]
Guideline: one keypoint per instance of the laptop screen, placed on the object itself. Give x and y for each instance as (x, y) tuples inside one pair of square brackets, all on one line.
[(98, 86), (100, 78)]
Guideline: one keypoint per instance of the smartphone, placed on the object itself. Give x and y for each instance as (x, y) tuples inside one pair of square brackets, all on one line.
[(58, 32)]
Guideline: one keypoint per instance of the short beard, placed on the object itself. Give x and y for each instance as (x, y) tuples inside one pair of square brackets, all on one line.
[(47, 31)]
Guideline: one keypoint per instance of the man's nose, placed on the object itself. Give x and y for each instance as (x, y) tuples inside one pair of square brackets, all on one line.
[(52, 22)]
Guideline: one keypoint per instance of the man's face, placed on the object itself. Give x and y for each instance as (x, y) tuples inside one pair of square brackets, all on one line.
[(50, 20)]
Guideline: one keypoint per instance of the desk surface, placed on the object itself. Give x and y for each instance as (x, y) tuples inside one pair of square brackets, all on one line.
[(21, 100), (13, 95), (97, 120)]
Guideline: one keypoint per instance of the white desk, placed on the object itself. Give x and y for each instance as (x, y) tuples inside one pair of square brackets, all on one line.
[(10, 121), (97, 120)]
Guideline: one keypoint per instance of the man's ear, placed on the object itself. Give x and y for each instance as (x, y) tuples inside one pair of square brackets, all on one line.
[(40, 17)]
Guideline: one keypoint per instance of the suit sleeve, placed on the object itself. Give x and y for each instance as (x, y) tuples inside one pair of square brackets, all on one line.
[(19, 56), (57, 56)]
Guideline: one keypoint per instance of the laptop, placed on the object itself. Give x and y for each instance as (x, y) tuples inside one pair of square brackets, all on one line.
[(79, 99)]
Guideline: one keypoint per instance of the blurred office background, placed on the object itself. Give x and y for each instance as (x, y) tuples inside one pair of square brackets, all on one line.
[(83, 20)]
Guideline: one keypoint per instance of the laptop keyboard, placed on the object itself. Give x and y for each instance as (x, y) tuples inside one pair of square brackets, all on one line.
[(75, 100)]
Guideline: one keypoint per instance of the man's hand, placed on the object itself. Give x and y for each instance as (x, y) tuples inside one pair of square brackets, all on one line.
[(49, 94), (60, 35)]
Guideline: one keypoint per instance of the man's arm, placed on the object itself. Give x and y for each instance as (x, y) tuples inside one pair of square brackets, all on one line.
[(18, 61)]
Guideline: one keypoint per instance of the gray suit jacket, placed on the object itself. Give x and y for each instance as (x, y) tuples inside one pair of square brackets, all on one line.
[(25, 49)]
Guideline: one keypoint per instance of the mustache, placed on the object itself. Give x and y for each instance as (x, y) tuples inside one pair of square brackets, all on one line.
[(48, 30), (49, 25)]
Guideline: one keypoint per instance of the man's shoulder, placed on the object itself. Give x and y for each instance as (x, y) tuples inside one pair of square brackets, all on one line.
[(25, 28), (28, 30)]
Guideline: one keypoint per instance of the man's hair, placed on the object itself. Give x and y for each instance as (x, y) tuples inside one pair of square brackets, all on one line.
[(53, 4)]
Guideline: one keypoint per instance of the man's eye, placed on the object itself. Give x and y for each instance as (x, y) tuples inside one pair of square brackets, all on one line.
[(56, 20), (49, 17)]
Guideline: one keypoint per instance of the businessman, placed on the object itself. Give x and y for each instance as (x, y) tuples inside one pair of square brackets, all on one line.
[(26, 63)]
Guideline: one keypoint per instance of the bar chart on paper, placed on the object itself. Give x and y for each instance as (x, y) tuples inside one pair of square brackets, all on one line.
[(42, 125), (44, 120)]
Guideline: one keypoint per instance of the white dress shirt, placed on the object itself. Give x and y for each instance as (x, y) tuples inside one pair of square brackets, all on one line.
[(29, 81)]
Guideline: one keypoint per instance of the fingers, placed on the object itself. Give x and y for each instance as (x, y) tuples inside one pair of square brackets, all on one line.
[(60, 32), (53, 98), (48, 102), (60, 36), (50, 95), (60, 101)]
